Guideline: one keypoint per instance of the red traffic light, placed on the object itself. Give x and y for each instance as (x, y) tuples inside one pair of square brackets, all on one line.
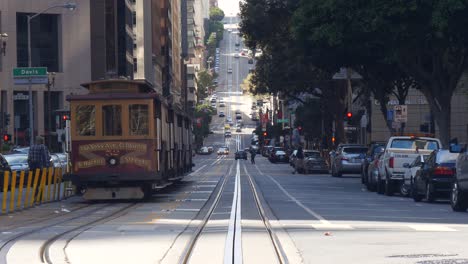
[(349, 115), (265, 134), (6, 137), (65, 117)]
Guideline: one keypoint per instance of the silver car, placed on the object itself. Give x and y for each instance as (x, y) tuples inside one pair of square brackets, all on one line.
[(348, 159), (459, 195)]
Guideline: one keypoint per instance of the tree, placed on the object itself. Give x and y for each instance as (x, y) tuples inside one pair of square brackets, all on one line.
[(424, 39), (216, 13), (204, 82), (202, 119)]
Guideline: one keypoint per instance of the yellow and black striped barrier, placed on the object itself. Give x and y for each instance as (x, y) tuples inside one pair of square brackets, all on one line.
[(41, 186)]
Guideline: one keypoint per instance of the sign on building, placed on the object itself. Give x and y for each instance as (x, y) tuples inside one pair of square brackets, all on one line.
[(401, 113)]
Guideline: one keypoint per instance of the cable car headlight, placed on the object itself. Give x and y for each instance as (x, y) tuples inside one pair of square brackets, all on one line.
[(113, 161)]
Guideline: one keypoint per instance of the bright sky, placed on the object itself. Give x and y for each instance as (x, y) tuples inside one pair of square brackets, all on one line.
[(230, 7)]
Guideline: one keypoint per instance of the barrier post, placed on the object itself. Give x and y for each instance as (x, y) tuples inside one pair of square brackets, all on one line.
[(36, 179), (6, 176), (12, 191), (28, 187), (49, 183), (41, 195), (54, 190), (59, 183), (20, 191)]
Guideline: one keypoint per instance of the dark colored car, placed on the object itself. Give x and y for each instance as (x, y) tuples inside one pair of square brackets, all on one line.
[(3, 167), (278, 156), (459, 193), (435, 178), (314, 162), (240, 154), (371, 155)]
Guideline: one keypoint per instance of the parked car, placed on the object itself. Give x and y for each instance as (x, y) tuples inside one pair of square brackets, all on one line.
[(398, 151), (3, 167), (374, 151), (20, 150), (373, 171), (410, 173), (221, 114), (17, 162), (204, 151), (348, 160), (459, 193), (59, 160), (435, 178), (240, 154), (278, 156)]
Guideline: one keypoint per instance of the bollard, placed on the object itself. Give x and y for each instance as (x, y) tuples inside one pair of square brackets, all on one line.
[(20, 191), (49, 183), (40, 196), (54, 190), (12, 191), (36, 179), (6, 176), (28, 186)]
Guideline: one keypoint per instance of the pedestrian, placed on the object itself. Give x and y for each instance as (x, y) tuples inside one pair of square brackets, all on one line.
[(38, 156), (299, 162), (252, 155)]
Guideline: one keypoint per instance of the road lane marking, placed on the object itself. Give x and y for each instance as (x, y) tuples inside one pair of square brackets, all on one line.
[(199, 169), (233, 245), (432, 228), (307, 209)]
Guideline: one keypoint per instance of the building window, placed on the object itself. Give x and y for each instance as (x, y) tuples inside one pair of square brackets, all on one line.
[(44, 41), (112, 120), (139, 122), (85, 120)]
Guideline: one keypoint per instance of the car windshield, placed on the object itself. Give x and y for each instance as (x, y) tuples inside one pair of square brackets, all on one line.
[(446, 157), (354, 150), (311, 154), (16, 159), (415, 143)]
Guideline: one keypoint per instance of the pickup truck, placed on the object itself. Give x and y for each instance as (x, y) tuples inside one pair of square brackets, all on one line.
[(400, 151)]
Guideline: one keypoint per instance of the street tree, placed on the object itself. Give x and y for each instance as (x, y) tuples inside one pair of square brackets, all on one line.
[(204, 82), (216, 14), (425, 39)]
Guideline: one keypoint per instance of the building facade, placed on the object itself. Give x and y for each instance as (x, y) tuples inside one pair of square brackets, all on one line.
[(60, 41)]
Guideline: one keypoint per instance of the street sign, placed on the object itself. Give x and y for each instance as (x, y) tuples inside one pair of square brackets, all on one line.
[(30, 75), (282, 120), (30, 72), (401, 113)]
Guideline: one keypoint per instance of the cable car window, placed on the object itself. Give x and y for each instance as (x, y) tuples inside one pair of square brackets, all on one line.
[(138, 116), (86, 120), (112, 120)]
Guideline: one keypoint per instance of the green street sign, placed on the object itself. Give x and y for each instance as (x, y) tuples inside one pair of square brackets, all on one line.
[(29, 72), (282, 120)]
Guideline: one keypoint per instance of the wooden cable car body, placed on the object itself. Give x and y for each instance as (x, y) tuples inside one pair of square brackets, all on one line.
[(126, 141)]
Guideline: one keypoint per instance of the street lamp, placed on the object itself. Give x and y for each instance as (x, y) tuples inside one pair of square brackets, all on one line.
[(69, 6), (3, 38), (50, 83)]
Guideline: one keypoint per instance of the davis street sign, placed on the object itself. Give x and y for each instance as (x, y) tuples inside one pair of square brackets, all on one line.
[(30, 72), (30, 75)]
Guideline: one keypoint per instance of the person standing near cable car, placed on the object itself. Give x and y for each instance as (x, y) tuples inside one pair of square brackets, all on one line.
[(38, 156)]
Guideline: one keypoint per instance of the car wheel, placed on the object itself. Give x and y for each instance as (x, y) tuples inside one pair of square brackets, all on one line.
[(430, 197), (404, 190), (458, 199), (414, 193)]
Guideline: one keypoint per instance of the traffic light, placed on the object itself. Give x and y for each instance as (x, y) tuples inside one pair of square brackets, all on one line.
[(65, 117), (6, 138), (265, 134), (299, 129), (349, 115), (6, 119)]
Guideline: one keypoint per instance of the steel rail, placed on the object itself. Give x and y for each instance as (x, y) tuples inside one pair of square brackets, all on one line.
[(280, 253)]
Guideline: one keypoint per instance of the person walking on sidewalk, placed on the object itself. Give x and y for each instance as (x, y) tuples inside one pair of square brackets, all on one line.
[(38, 156)]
